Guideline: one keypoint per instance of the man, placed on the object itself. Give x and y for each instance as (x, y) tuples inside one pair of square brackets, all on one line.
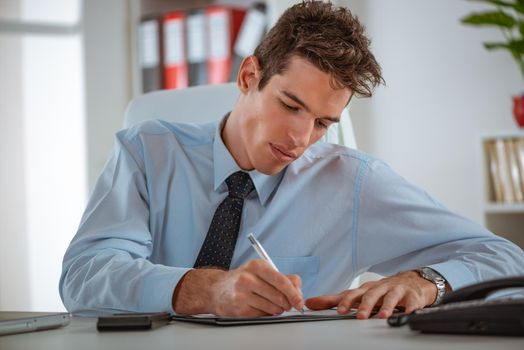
[(166, 226)]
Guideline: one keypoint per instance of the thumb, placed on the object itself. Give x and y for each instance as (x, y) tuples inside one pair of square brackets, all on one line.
[(323, 302)]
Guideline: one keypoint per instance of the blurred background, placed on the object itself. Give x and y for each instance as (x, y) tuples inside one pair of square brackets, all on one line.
[(68, 68)]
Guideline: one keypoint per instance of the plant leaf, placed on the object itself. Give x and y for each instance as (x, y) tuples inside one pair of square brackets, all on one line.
[(490, 18), (494, 46), (521, 28), (518, 6), (517, 46)]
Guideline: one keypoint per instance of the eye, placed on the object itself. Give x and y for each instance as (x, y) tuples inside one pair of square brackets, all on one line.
[(288, 107), (319, 123)]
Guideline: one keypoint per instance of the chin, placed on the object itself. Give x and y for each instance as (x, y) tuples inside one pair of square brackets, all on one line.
[(271, 173), (270, 169), (267, 164)]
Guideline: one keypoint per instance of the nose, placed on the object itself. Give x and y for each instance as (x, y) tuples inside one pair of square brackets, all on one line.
[(300, 133)]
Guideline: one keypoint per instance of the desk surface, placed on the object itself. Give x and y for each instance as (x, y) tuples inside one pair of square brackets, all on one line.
[(325, 335)]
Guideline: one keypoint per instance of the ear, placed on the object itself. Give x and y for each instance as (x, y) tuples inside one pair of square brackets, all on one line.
[(248, 74)]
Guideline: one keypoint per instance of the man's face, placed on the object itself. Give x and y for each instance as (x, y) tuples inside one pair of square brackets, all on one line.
[(289, 114)]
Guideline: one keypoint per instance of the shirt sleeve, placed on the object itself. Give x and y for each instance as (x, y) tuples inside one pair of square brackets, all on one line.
[(401, 227), (106, 267)]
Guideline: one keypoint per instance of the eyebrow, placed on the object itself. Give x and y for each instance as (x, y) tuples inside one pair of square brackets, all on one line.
[(303, 104)]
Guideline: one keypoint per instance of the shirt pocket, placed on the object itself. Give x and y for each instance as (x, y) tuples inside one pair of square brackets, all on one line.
[(305, 266)]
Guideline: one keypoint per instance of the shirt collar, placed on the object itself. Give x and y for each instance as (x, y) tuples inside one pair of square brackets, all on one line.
[(224, 165)]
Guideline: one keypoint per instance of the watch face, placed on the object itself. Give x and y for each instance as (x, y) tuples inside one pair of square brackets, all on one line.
[(430, 274)]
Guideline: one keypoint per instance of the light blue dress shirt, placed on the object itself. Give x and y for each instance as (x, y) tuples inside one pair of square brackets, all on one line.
[(329, 216)]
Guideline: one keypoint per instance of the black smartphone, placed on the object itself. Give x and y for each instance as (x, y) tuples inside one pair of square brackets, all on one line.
[(132, 321)]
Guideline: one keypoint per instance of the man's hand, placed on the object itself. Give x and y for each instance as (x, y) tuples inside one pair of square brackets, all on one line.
[(254, 289), (406, 289)]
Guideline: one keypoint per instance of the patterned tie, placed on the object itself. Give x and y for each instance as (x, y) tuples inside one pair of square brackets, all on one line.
[(221, 238)]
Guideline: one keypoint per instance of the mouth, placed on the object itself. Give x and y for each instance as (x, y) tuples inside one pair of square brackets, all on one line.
[(282, 154)]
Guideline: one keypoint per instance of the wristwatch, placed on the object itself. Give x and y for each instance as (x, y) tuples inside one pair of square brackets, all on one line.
[(435, 277)]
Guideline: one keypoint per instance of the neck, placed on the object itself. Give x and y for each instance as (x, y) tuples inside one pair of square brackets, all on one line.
[(232, 137)]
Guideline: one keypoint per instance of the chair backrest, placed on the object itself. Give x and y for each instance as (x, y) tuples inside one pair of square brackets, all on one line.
[(205, 103)]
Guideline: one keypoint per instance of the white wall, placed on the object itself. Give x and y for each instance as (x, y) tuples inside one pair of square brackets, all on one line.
[(14, 283), (443, 91), (42, 182), (42, 130), (108, 76)]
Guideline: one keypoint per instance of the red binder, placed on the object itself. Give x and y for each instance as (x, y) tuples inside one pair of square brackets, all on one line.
[(223, 26), (175, 61)]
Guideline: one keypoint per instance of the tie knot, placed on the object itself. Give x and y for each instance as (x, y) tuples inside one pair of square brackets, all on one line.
[(239, 184)]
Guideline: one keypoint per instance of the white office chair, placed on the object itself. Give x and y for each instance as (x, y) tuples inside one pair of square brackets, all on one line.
[(200, 104)]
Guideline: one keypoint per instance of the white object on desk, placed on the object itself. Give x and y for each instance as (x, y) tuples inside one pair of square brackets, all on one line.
[(261, 251)]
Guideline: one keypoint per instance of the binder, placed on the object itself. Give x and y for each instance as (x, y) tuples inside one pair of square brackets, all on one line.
[(196, 30), (251, 32), (175, 64), (505, 172), (513, 170), (518, 149), (223, 24), (150, 53), (494, 171)]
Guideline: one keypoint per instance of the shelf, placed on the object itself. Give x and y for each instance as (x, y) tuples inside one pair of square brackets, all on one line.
[(504, 218), (504, 208), (502, 135), (139, 9)]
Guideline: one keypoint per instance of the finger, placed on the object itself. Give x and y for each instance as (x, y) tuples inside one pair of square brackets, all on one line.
[(351, 299), (262, 304), (323, 302), (296, 280), (246, 311), (263, 270), (389, 302), (412, 303), (369, 300), (250, 284), (270, 293)]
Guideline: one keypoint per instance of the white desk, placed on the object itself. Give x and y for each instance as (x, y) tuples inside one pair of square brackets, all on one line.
[(342, 334)]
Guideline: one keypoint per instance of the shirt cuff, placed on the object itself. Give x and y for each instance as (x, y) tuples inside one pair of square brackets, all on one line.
[(456, 274), (158, 288)]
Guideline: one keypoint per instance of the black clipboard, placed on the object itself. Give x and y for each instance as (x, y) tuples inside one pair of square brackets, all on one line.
[(294, 316)]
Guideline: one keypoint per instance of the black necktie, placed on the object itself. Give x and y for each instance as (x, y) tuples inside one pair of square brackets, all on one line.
[(221, 238)]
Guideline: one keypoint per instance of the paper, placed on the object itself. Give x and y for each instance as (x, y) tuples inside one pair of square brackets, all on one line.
[(290, 316)]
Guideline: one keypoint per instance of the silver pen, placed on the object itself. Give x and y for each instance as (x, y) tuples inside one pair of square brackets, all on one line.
[(263, 255)]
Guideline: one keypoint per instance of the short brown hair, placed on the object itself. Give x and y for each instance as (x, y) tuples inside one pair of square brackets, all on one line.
[(330, 38)]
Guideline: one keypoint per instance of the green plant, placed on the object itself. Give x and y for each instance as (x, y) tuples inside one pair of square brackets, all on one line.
[(509, 17)]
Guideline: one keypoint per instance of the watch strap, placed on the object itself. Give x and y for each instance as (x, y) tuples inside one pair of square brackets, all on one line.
[(439, 281)]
